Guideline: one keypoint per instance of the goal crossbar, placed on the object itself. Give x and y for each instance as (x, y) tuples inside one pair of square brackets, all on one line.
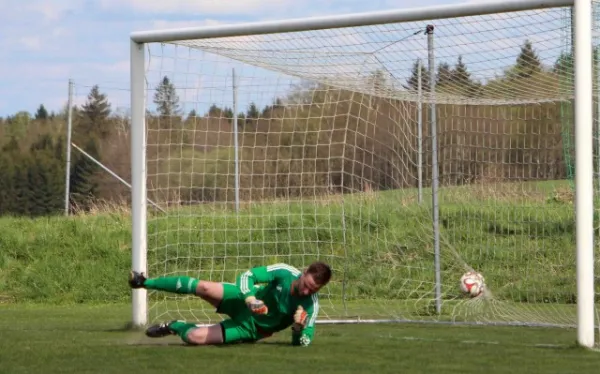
[(347, 20)]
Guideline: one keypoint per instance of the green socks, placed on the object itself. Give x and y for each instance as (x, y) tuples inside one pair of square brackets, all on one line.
[(182, 329), (183, 285)]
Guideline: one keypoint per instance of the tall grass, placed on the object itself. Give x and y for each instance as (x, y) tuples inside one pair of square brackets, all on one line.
[(380, 245), (65, 260)]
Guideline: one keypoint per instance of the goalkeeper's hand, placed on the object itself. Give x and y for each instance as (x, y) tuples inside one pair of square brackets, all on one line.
[(300, 319), (256, 306)]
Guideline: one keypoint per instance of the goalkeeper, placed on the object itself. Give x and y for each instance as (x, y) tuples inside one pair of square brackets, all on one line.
[(264, 300)]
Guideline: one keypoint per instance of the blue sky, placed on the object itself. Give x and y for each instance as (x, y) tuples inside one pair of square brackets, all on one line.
[(46, 42)]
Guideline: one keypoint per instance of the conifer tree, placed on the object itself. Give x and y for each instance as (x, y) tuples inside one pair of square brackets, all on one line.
[(95, 113), (444, 75), (41, 113), (413, 81), (528, 63), (166, 98), (83, 184)]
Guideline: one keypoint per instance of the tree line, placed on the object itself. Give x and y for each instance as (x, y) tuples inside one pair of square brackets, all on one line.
[(316, 140)]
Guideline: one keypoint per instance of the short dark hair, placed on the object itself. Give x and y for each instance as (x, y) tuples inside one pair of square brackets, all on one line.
[(320, 271)]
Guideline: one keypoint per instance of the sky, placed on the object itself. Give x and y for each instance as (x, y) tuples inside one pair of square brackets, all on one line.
[(47, 42)]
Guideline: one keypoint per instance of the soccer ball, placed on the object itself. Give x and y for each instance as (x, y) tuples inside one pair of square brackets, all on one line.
[(472, 283)]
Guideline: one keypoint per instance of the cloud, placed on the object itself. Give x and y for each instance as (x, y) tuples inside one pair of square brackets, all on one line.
[(52, 10), (46, 42), (42, 11), (162, 24), (204, 7), (31, 42)]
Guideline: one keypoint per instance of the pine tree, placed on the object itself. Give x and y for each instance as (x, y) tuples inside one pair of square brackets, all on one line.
[(528, 62), (7, 189), (461, 75), (215, 111), (83, 184), (166, 99), (41, 178), (46, 185), (252, 112), (36, 187), (413, 81), (564, 63), (228, 113), (41, 113), (95, 114), (444, 75), (22, 193), (461, 78)]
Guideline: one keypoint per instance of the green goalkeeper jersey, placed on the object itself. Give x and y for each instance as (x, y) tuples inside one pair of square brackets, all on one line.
[(273, 285)]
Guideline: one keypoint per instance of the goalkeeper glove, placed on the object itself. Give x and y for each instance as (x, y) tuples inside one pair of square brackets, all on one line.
[(256, 306), (300, 319)]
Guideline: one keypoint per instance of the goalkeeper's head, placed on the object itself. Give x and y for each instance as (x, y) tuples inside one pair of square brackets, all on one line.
[(313, 278)]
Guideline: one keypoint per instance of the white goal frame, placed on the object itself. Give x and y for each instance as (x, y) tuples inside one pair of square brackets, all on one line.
[(583, 53)]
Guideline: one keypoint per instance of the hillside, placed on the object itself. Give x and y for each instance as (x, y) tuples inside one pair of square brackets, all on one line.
[(380, 245)]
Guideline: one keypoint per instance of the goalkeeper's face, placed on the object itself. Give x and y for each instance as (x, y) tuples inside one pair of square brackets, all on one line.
[(307, 285)]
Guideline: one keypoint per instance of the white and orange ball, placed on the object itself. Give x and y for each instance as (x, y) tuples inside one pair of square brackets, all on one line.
[(472, 283)]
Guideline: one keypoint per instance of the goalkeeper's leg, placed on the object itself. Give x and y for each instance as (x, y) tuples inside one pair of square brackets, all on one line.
[(228, 331), (188, 332), (207, 290)]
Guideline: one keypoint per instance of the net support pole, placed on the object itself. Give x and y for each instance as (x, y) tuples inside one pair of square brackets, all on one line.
[(596, 69), (434, 169), (235, 141), (597, 72), (138, 180), (584, 172), (69, 132), (420, 129)]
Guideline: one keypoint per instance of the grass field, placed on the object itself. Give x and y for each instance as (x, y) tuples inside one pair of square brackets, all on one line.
[(63, 295), (91, 339)]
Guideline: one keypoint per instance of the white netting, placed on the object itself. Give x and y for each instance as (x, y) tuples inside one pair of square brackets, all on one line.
[(328, 147)]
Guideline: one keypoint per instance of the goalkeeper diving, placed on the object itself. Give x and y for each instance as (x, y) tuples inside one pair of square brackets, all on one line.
[(264, 300)]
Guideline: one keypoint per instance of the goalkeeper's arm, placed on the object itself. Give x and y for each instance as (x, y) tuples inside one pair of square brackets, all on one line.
[(246, 281), (304, 337), (303, 328)]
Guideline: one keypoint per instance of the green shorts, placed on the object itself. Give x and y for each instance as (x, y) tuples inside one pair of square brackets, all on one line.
[(240, 327)]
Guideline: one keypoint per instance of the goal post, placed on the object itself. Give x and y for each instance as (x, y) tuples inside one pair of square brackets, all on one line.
[(584, 184), (301, 139), (139, 176)]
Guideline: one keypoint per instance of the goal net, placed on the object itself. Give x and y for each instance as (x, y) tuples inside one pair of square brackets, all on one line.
[(345, 145)]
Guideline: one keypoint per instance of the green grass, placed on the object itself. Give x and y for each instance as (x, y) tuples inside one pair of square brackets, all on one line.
[(63, 295), (519, 235), (91, 339)]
